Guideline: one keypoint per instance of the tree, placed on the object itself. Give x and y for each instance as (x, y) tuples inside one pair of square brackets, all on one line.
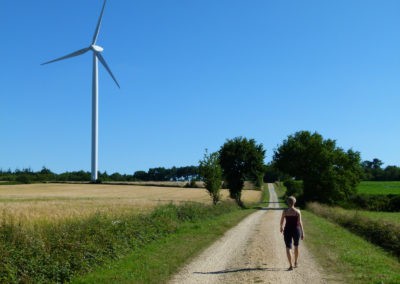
[(372, 170), (272, 174), (392, 173), (329, 174), (158, 174), (211, 172), (240, 159)]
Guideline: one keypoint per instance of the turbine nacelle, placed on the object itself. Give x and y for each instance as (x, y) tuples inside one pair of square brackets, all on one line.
[(96, 48)]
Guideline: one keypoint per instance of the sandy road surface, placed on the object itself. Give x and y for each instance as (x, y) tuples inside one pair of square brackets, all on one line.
[(251, 252)]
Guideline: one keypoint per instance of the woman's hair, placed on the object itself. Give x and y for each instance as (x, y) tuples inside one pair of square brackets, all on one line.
[(291, 200)]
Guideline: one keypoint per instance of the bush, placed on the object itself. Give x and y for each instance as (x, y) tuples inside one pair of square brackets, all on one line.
[(383, 234), (191, 184), (295, 188), (394, 203), (390, 202), (55, 252), (23, 178)]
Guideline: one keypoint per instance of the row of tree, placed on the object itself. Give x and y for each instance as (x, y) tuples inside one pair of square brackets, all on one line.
[(46, 175), (373, 171), (165, 174), (153, 174), (327, 173)]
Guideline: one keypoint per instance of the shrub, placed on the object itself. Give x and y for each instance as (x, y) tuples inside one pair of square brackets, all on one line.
[(390, 202), (295, 188), (23, 178), (394, 203), (191, 184)]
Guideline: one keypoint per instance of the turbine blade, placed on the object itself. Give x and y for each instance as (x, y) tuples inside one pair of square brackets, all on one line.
[(96, 32), (73, 54), (100, 57)]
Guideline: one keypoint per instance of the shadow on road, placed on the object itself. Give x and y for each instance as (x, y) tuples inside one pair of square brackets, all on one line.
[(266, 208), (242, 270)]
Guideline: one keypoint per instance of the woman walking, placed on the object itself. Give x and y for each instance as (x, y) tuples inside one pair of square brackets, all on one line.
[(292, 231)]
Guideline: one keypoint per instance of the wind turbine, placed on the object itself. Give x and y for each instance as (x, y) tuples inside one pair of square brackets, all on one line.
[(95, 90)]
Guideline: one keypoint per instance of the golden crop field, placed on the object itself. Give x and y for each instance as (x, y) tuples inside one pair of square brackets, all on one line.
[(51, 202)]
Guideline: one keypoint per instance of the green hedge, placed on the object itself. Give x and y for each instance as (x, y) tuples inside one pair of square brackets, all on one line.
[(389, 202), (55, 252), (383, 234)]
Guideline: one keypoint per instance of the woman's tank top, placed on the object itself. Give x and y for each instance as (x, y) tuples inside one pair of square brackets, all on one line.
[(292, 221)]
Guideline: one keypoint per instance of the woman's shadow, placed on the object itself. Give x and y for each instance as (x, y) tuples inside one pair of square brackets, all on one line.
[(225, 271)]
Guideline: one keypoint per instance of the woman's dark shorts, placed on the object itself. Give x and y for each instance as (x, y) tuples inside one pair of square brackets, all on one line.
[(291, 234)]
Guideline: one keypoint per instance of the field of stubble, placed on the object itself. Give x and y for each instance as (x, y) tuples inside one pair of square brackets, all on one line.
[(33, 203)]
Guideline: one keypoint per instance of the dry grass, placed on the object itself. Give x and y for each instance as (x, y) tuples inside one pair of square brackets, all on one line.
[(52, 202)]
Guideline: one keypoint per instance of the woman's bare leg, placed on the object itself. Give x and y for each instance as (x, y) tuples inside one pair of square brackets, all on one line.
[(296, 255), (289, 256)]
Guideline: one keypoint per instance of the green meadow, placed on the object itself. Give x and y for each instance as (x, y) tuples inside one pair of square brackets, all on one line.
[(379, 187)]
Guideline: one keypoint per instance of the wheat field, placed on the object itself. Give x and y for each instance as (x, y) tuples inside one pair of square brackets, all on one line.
[(33, 203)]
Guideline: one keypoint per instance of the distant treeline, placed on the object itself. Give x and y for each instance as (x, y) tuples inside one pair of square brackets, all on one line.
[(153, 174), (373, 171)]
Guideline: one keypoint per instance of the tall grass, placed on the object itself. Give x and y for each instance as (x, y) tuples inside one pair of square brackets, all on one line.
[(382, 233), (391, 217), (56, 251), (159, 260)]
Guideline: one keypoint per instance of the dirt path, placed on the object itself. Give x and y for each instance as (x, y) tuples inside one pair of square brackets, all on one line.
[(251, 252)]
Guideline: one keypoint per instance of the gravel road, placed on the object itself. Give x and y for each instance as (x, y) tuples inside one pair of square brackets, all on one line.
[(252, 252)]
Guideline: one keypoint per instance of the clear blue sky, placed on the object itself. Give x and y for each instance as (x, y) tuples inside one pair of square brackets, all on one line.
[(194, 73)]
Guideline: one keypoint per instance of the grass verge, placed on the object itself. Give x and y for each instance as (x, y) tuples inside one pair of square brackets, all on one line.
[(265, 193), (384, 234), (349, 257), (158, 261)]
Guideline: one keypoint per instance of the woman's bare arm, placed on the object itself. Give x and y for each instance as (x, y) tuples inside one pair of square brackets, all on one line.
[(301, 226), (282, 220)]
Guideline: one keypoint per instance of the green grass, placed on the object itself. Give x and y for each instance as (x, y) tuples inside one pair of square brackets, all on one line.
[(265, 193), (9, 183), (347, 257), (280, 190), (158, 261), (379, 187)]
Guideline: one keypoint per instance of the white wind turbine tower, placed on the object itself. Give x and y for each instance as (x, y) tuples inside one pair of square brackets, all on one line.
[(95, 93)]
